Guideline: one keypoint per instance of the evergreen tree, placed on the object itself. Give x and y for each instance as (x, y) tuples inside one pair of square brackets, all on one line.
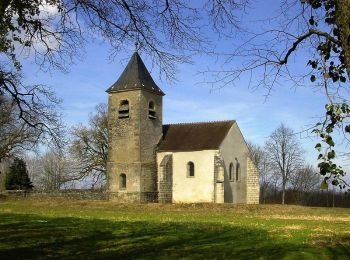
[(17, 176)]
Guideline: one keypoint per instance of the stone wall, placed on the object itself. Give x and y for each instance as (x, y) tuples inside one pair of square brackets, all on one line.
[(219, 177), (253, 188), (165, 180), (69, 194)]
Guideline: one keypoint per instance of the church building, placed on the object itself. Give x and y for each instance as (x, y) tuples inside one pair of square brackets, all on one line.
[(175, 163)]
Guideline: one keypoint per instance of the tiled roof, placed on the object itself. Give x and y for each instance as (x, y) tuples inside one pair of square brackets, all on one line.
[(135, 76), (194, 136)]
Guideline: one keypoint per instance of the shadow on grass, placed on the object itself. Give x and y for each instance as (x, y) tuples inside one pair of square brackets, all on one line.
[(32, 237)]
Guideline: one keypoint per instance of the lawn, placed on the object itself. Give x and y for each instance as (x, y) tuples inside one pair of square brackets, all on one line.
[(55, 228)]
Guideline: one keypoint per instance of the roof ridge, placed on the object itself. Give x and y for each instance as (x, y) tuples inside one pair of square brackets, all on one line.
[(204, 122)]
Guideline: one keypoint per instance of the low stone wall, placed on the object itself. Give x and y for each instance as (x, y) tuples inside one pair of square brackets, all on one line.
[(69, 194)]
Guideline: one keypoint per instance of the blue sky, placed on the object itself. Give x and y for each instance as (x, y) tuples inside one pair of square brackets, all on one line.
[(188, 100)]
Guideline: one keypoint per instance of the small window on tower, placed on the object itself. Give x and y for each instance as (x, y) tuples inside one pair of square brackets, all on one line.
[(151, 110), (123, 109), (122, 181)]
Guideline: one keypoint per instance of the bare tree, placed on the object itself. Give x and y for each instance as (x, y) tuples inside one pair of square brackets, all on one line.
[(259, 157), (52, 170), (315, 32), (54, 32), (304, 181), (90, 145), (16, 136), (284, 153)]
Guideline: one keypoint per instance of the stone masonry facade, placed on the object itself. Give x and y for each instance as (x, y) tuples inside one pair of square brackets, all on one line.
[(219, 175), (165, 180), (132, 143), (253, 188)]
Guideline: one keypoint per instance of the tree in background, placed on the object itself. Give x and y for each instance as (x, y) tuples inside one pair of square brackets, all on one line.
[(303, 182), (266, 178), (90, 145), (16, 136), (313, 32), (54, 32), (284, 154), (52, 169), (17, 176), (81, 160)]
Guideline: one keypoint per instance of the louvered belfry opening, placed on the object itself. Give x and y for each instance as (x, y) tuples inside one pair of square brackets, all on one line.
[(124, 109), (151, 110)]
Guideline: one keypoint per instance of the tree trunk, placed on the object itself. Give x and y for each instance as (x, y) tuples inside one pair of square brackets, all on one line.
[(283, 191), (342, 14)]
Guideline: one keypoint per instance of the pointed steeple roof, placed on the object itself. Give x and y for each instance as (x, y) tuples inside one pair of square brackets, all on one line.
[(135, 76)]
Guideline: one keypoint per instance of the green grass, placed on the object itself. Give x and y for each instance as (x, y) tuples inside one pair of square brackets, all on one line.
[(35, 229)]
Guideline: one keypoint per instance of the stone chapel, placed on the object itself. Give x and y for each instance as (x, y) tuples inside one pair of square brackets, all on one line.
[(175, 163)]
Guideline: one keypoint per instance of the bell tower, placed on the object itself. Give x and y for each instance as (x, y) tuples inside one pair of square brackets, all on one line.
[(134, 130)]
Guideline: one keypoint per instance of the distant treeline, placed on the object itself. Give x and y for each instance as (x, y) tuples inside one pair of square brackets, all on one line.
[(321, 198)]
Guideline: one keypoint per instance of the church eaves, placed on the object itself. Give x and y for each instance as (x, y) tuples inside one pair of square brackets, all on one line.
[(135, 76)]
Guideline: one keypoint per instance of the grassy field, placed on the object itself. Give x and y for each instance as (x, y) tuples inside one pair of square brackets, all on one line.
[(35, 229)]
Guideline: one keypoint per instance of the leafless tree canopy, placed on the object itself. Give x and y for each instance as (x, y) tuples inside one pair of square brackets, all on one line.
[(267, 175), (315, 33), (16, 136), (168, 31), (90, 145), (284, 154), (54, 32)]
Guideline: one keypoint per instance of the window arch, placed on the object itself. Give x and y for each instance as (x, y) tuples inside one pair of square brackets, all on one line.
[(151, 110), (231, 172), (123, 109), (238, 171), (190, 169), (122, 181)]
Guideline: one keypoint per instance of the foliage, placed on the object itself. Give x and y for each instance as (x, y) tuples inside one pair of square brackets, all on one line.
[(38, 228), (17, 176), (334, 66), (90, 145), (315, 32), (333, 46), (337, 115)]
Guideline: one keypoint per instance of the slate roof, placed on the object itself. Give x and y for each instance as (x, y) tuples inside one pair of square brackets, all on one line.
[(135, 76), (194, 136)]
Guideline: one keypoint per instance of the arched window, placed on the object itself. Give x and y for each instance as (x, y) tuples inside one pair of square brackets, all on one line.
[(122, 181), (238, 171), (190, 169), (231, 172), (123, 109), (151, 110)]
